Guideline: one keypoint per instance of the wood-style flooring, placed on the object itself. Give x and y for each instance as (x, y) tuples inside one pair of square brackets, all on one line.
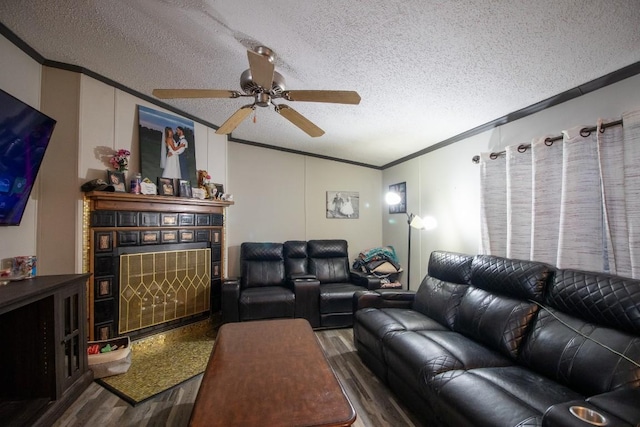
[(372, 400)]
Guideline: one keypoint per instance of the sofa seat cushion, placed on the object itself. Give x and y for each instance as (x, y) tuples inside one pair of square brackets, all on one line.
[(337, 297), (498, 396), (373, 324), (266, 303), (416, 356)]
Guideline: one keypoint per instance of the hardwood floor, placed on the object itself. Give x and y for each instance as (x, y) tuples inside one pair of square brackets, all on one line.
[(372, 400)]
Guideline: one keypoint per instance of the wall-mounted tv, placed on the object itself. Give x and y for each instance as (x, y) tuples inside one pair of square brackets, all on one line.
[(24, 136)]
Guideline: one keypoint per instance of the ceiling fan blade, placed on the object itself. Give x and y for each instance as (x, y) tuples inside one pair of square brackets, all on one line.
[(194, 93), (235, 119), (299, 120), (261, 69), (333, 96)]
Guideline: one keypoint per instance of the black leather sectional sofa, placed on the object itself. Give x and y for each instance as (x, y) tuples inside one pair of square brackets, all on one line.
[(490, 341), (305, 279)]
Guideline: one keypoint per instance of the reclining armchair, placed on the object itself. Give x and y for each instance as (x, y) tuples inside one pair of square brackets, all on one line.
[(262, 291), (328, 262)]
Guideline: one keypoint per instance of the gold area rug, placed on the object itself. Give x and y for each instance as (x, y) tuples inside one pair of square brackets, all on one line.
[(162, 361)]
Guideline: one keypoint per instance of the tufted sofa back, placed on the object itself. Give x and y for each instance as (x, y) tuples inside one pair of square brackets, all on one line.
[(440, 292), (328, 260), (261, 264), (589, 320), (497, 309)]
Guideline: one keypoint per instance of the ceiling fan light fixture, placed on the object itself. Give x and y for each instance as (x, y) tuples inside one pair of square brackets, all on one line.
[(263, 99), (251, 88)]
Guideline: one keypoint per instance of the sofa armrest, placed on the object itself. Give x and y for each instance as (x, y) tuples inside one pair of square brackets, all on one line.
[(560, 415), (307, 292), (624, 404), (230, 300), (302, 277), (368, 281), (383, 298)]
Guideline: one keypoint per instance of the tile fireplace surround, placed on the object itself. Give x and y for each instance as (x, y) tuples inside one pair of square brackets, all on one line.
[(157, 261)]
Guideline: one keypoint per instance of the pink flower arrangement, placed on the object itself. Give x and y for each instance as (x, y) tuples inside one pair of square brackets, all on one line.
[(120, 160)]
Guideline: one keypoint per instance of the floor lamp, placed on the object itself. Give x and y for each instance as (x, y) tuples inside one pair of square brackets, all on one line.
[(414, 221)]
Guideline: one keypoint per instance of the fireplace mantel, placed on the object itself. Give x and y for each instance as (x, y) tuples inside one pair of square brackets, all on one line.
[(124, 224), (122, 201)]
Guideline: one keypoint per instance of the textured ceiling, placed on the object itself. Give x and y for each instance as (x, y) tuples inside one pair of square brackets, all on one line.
[(426, 70)]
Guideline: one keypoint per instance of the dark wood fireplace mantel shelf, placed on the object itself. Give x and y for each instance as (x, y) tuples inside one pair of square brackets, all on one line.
[(123, 201)]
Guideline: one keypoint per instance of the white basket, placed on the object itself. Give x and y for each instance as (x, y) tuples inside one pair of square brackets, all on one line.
[(112, 362)]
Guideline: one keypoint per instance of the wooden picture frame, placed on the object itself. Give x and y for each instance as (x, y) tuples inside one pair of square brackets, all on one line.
[(184, 188), (116, 178), (401, 190), (166, 187)]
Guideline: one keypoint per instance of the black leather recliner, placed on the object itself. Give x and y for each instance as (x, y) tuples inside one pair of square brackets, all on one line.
[(309, 280), (262, 291), (328, 262)]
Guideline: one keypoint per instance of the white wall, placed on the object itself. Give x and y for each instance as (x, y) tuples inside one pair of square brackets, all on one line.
[(445, 183), (59, 174), (20, 76), (109, 122), (282, 196)]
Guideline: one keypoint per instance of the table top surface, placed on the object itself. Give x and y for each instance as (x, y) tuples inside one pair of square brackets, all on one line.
[(270, 373)]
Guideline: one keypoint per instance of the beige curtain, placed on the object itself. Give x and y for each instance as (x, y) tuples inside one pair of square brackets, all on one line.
[(573, 204)]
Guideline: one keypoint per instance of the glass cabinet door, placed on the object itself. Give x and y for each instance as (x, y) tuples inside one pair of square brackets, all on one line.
[(71, 354)]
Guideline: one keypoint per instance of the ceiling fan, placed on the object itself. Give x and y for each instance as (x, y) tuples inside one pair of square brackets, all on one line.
[(264, 85)]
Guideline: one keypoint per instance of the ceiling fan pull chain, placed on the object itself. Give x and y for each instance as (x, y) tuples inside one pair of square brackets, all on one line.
[(254, 116)]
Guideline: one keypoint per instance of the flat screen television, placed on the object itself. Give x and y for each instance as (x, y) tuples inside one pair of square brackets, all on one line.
[(24, 136)]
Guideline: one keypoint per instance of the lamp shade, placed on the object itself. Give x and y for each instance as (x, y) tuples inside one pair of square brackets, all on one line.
[(416, 222)]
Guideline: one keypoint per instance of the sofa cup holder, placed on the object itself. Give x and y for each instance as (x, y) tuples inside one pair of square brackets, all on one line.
[(588, 415)]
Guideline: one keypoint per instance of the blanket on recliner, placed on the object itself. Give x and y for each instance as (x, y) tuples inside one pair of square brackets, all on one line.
[(380, 261)]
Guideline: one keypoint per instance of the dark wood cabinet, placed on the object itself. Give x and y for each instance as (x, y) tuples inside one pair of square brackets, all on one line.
[(44, 357)]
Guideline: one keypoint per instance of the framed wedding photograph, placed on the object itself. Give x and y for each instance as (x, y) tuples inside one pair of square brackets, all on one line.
[(343, 204), (166, 187), (401, 190), (220, 190), (184, 188), (116, 179), (167, 145)]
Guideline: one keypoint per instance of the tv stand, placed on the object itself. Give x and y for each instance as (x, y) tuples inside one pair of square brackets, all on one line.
[(44, 354)]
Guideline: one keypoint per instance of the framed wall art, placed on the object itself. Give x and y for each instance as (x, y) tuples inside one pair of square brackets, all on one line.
[(343, 204), (401, 190), (167, 146)]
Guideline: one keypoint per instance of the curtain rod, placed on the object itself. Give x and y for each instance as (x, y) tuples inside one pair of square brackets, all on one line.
[(584, 132)]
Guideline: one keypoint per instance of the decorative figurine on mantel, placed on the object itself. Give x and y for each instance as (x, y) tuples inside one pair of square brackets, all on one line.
[(203, 178), (204, 182)]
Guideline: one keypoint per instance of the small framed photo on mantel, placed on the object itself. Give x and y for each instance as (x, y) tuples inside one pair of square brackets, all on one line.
[(166, 187), (184, 188), (116, 179)]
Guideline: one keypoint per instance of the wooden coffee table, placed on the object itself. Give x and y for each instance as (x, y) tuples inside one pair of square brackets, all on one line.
[(270, 373)]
